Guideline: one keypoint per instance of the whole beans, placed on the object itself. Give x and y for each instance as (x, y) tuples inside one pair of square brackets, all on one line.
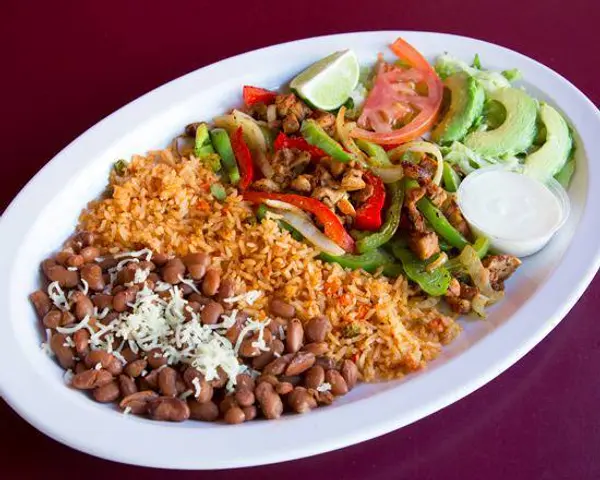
[(295, 336), (301, 362), (317, 329), (156, 358), (127, 385), (234, 416), (41, 302), (168, 409), (337, 382), (211, 313), (52, 319), (64, 353), (173, 271), (211, 282), (91, 379), (81, 338), (92, 274), (135, 368), (167, 382), (314, 377), (107, 393), (300, 400), (349, 372), (138, 402), (282, 309), (269, 401), (107, 360), (206, 412)]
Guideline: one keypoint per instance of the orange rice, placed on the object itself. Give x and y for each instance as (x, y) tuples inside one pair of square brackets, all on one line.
[(164, 203)]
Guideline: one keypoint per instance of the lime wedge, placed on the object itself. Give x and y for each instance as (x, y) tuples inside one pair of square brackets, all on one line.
[(327, 84)]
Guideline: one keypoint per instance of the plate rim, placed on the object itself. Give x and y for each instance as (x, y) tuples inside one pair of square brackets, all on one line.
[(451, 391)]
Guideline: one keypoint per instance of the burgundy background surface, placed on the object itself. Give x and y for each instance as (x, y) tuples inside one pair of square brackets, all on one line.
[(66, 65)]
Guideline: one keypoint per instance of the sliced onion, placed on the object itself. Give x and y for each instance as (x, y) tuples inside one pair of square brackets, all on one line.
[(302, 222), (271, 113), (478, 273), (278, 204), (263, 163), (342, 133), (421, 147), (184, 145), (438, 262), (389, 174), (478, 304)]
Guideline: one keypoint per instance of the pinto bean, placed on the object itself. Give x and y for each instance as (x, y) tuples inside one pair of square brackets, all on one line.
[(206, 389), (127, 385), (337, 382), (65, 278), (41, 302), (234, 415), (167, 382), (156, 359), (150, 381), (90, 379), (283, 388), (278, 366), (206, 412), (295, 336), (301, 362), (325, 362), (107, 360), (138, 402), (74, 260), (226, 290), (272, 379), (317, 349), (128, 354), (198, 258), (227, 403), (197, 272), (244, 381), (280, 308), (269, 401), (249, 412), (234, 332), (83, 305), (52, 318), (81, 338), (92, 274), (79, 367), (211, 282), (221, 379), (247, 348), (62, 256), (64, 354), (122, 298), (199, 299), (160, 259), (244, 397), (168, 409), (349, 372), (67, 319), (107, 393), (317, 329), (102, 301), (324, 398), (89, 254), (135, 368), (173, 271), (301, 401), (211, 313), (314, 377), (82, 239)]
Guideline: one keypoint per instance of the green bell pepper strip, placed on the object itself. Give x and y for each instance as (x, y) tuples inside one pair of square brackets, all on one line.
[(450, 178), (314, 134), (437, 219), (434, 282), (204, 150), (222, 144), (369, 261), (393, 270), (376, 154), (391, 224)]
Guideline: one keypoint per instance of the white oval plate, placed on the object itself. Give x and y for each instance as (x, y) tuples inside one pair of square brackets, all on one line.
[(46, 210)]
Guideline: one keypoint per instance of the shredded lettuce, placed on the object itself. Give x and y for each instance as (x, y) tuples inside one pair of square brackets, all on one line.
[(447, 64), (512, 75)]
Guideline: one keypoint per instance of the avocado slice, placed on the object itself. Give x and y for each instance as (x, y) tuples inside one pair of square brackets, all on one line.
[(517, 131), (552, 156), (466, 103)]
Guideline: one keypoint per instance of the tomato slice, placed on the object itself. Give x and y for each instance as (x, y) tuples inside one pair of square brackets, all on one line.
[(395, 97)]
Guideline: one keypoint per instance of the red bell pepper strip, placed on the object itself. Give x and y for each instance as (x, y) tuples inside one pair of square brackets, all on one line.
[(283, 141), (334, 228), (243, 157), (254, 95), (368, 215)]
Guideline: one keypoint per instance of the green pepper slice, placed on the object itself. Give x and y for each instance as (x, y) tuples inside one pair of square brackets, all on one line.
[(222, 144), (314, 134), (369, 261), (434, 282)]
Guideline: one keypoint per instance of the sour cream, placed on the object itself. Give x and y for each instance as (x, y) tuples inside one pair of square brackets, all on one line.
[(517, 213)]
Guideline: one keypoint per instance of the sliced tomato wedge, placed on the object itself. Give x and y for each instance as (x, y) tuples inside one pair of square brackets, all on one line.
[(395, 98)]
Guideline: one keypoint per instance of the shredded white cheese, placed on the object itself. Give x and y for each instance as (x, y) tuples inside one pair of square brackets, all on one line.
[(79, 326), (57, 296), (248, 297), (86, 287), (197, 387), (185, 394), (46, 345), (72, 269), (190, 283), (324, 387), (68, 376), (138, 253), (127, 411), (252, 326)]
